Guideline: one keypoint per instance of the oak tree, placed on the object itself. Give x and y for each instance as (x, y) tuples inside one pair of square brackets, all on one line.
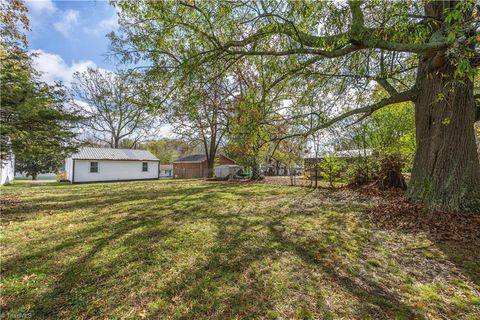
[(423, 52), (37, 123), (115, 106)]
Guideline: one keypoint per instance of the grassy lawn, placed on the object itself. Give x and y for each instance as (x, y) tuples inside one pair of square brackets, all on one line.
[(205, 250)]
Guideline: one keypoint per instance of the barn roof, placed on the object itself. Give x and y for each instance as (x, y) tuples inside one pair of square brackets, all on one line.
[(88, 153), (198, 158), (192, 158)]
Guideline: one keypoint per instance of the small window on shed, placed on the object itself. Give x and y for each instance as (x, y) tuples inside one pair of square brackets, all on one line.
[(93, 166), (144, 166)]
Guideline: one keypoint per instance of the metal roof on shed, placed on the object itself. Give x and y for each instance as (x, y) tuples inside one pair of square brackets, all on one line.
[(192, 158), (88, 153), (198, 158)]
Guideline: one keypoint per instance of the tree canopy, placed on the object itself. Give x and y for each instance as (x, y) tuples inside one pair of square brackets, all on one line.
[(37, 122), (353, 43), (421, 52), (116, 106)]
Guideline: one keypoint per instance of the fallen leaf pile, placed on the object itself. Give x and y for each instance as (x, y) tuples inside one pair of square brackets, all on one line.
[(397, 212), (8, 201)]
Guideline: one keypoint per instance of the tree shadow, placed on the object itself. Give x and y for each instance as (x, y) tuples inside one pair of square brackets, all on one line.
[(368, 291), (86, 200), (145, 214), (81, 275), (465, 256), (188, 253)]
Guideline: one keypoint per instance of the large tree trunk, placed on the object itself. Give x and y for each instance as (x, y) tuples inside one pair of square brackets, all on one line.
[(477, 135), (116, 143), (211, 167), (34, 176), (255, 172), (211, 157), (446, 169)]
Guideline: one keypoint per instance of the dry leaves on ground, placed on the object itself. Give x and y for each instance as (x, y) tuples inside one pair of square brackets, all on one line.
[(396, 211)]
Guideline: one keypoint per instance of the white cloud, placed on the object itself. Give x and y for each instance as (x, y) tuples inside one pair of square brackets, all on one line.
[(103, 26), (82, 105), (67, 22), (41, 6), (109, 24), (166, 131), (54, 68)]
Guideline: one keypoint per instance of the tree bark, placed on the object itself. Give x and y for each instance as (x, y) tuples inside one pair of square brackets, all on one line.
[(211, 156), (477, 134), (34, 176), (211, 166), (115, 142), (255, 172), (446, 169)]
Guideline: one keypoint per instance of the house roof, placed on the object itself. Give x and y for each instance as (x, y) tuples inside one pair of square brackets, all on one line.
[(88, 153), (166, 166), (197, 158), (353, 153), (192, 158)]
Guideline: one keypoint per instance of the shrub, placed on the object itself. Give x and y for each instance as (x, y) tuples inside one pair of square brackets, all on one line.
[(331, 168), (62, 176), (390, 173), (362, 170)]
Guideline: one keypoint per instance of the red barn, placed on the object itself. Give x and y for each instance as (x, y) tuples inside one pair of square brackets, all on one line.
[(196, 166)]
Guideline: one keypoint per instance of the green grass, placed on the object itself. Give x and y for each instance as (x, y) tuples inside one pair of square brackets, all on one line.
[(198, 250)]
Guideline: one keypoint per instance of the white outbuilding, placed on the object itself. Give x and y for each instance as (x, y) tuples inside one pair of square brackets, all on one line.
[(7, 170), (106, 164), (226, 170)]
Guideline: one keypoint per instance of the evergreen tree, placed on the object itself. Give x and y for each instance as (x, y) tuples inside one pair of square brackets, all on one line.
[(36, 124)]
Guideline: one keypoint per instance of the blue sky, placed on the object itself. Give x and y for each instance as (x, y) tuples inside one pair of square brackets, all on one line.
[(69, 36)]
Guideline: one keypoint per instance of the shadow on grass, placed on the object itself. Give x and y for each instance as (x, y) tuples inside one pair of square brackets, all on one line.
[(93, 197), (200, 251), (235, 256), (366, 290), (466, 256)]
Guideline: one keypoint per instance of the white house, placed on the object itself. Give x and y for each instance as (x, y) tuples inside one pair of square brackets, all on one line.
[(7, 170), (105, 164)]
